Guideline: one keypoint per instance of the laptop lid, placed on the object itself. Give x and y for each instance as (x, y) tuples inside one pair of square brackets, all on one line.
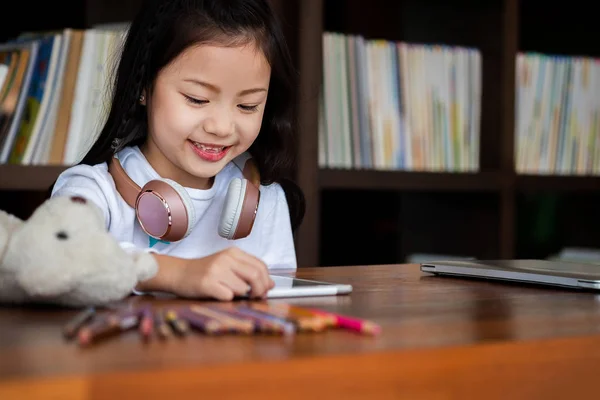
[(556, 273)]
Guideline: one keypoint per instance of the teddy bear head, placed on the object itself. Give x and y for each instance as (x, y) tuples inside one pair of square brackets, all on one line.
[(64, 254)]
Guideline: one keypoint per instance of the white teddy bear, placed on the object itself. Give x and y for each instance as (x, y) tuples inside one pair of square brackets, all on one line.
[(64, 255)]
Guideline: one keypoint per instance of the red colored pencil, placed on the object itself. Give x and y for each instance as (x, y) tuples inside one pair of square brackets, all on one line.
[(353, 324), (146, 322)]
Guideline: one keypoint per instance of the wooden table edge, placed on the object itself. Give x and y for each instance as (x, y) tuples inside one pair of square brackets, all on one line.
[(515, 369)]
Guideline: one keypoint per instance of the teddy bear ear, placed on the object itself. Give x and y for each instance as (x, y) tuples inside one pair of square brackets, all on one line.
[(78, 199)]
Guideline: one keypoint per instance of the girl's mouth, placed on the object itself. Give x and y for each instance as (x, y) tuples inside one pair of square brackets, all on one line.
[(209, 152)]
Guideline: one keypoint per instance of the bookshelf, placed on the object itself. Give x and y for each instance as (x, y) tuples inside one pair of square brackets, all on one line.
[(370, 216), (483, 210), (14, 177), (484, 26)]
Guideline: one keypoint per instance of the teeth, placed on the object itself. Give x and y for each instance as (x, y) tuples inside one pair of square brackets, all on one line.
[(209, 148)]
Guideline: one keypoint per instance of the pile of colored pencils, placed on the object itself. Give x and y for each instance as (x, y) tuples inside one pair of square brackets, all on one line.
[(250, 318)]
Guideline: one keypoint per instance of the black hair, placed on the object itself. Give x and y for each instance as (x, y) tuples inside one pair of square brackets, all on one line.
[(161, 31)]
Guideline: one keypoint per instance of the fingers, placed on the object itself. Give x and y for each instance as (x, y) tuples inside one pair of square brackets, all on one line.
[(253, 277), (223, 275), (222, 292), (237, 285), (253, 271)]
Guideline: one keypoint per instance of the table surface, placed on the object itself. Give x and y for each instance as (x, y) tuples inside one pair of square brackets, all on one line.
[(442, 337)]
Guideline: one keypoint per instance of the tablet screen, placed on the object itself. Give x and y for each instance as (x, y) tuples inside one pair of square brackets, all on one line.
[(287, 286), (289, 282)]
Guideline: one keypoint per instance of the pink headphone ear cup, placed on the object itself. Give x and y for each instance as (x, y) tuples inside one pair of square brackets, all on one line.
[(232, 208), (172, 222), (187, 202)]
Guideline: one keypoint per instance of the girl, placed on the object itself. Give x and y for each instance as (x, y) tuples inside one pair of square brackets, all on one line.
[(200, 86)]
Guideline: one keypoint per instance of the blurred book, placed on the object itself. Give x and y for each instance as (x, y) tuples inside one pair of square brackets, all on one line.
[(393, 105), (417, 258), (578, 254), (556, 114), (55, 92)]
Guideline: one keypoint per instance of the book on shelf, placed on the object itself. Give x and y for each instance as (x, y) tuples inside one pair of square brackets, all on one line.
[(418, 258), (391, 105), (54, 93), (587, 255), (557, 115)]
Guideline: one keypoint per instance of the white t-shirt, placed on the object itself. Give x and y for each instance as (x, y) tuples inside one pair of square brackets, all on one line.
[(271, 237)]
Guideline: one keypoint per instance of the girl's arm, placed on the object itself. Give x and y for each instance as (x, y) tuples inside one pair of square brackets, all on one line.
[(223, 275), (164, 280)]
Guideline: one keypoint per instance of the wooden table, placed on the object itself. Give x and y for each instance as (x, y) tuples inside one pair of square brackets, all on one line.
[(442, 338)]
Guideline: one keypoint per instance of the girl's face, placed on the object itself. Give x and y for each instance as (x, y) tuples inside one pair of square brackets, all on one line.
[(206, 108)]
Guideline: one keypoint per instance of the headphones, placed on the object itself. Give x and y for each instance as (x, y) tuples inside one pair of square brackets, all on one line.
[(165, 211)]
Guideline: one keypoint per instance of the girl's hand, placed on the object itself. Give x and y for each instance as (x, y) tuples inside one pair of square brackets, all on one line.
[(223, 275)]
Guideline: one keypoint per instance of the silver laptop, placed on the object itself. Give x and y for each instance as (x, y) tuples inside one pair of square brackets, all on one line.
[(555, 273)]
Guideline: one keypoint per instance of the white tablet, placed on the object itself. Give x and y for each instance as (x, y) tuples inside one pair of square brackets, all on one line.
[(286, 286)]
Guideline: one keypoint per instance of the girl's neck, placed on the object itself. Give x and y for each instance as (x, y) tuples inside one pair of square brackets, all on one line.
[(168, 170)]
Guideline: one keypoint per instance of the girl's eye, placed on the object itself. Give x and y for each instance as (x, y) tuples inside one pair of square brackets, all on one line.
[(248, 108), (194, 101)]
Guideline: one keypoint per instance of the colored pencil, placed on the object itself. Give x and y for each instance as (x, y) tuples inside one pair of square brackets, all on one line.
[(261, 325), (286, 326), (179, 325), (352, 324), (146, 322), (202, 323), (329, 319), (306, 322), (234, 325), (107, 326), (74, 324), (161, 327), (212, 319)]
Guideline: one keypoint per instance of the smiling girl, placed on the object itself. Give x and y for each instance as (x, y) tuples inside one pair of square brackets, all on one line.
[(193, 161)]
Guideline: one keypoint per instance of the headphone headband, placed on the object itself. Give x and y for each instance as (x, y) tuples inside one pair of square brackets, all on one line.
[(249, 169), (128, 189)]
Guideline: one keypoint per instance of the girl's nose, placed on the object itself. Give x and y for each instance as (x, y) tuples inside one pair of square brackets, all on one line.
[(220, 123)]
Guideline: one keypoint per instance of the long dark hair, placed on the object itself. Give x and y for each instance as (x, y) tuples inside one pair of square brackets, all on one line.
[(165, 28)]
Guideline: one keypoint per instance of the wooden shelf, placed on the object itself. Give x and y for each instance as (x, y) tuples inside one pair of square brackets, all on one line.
[(28, 177), (40, 177), (558, 183), (403, 180)]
